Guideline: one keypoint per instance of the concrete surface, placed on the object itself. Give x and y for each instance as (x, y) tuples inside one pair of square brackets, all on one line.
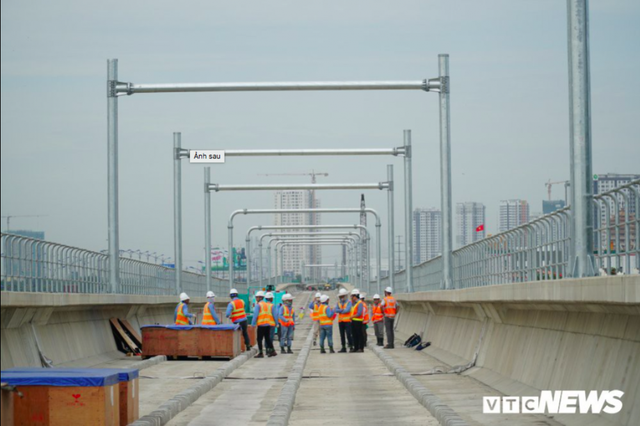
[(550, 335)]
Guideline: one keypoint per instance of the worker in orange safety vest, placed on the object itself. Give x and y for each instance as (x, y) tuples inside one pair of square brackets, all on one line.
[(181, 315), (209, 316), (390, 311), (313, 308), (377, 317)]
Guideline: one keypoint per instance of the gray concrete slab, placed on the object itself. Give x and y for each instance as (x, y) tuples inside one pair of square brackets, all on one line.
[(354, 389), (462, 393)]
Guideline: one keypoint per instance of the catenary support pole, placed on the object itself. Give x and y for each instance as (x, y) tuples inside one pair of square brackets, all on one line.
[(445, 174), (177, 209), (408, 211), (112, 172), (583, 264), (391, 220), (207, 227)]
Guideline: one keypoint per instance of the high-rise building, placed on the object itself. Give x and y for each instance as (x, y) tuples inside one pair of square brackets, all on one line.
[(293, 256), (513, 213), (469, 216), (550, 206), (427, 231)]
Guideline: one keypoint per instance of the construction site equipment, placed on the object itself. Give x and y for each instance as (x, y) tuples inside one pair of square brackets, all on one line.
[(200, 341)]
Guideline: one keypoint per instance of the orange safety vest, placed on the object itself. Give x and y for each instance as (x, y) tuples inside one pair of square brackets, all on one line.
[(238, 312), (315, 314), (366, 313), (181, 318), (265, 317), (344, 317), (390, 307), (287, 316), (376, 310), (354, 311), (322, 314), (207, 318)]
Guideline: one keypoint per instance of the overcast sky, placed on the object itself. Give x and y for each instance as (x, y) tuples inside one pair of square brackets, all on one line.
[(509, 105)]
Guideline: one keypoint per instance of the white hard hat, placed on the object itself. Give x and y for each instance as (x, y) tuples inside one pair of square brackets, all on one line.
[(388, 290), (269, 295), (210, 295), (362, 296), (287, 297), (233, 291), (355, 292), (376, 296), (318, 295), (260, 293), (324, 298), (184, 296), (343, 292)]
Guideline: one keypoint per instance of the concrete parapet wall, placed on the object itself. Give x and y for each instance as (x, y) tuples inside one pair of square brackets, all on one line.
[(74, 329), (550, 335)]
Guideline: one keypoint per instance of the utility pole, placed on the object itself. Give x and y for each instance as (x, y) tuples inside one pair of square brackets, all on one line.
[(399, 251)]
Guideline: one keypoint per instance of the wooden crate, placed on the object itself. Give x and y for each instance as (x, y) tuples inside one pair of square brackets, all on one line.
[(56, 397), (6, 414), (129, 401), (191, 341), (67, 406)]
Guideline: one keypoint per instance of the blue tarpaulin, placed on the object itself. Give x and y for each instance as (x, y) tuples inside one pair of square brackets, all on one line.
[(190, 327), (124, 374), (89, 377)]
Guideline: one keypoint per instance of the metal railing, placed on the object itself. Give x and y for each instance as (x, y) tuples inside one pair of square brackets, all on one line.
[(30, 265), (540, 249)]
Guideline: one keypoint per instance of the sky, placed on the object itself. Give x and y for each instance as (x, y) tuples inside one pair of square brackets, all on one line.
[(509, 106)]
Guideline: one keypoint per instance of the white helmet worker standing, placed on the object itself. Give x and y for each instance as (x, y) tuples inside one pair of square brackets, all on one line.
[(343, 309), (390, 310), (315, 317), (236, 312), (181, 315), (377, 317), (209, 315)]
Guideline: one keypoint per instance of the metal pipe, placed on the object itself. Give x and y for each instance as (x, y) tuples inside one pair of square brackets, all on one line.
[(177, 209), (580, 134), (408, 211), (311, 152), (391, 220), (207, 227), (445, 173), (112, 179), (310, 187), (131, 88)]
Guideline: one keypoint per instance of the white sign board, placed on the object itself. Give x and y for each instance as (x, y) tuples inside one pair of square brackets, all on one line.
[(206, 156)]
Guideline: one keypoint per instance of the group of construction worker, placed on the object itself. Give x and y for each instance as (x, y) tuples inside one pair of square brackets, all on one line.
[(353, 313), (354, 316), (266, 316)]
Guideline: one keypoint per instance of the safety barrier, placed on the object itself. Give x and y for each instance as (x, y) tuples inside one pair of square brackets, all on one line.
[(30, 265), (540, 249)]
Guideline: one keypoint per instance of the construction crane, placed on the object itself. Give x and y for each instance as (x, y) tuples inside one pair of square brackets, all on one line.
[(12, 216), (549, 184)]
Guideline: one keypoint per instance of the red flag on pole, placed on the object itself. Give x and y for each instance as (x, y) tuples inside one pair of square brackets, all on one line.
[(480, 228)]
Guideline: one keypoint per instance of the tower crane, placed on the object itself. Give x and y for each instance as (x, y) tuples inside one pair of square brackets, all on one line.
[(549, 184)]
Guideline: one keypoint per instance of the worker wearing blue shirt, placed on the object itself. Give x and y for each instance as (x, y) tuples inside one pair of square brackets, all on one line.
[(236, 313), (325, 318), (264, 316), (357, 321), (181, 315), (209, 315), (343, 309)]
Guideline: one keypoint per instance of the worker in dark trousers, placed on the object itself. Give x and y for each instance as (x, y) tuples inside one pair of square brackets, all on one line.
[(390, 310), (237, 314), (357, 321), (377, 317), (265, 318), (365, 322), (343, 309)]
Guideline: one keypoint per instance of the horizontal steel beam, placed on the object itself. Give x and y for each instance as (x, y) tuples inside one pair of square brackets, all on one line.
[(185, 153), (132, 88), (216, 187)]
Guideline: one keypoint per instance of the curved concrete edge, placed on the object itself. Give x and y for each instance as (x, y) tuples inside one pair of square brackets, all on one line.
[(184, 399), (442, 412), (284, 405), (150, 362)]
